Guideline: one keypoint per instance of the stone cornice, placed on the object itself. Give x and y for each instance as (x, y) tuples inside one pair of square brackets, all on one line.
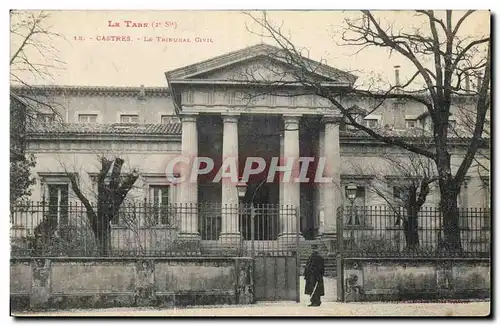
[(254, 109), (104, 137), (347, 177), (245, 83), (337, 119), (118, 91), (143, 146), (357, 141), (250, 52), (363, 140)]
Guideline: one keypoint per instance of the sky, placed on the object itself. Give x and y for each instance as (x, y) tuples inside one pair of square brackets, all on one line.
[(93, 58)]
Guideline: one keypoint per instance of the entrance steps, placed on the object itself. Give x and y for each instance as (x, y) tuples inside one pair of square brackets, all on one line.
[(305, 251), (271, 248)]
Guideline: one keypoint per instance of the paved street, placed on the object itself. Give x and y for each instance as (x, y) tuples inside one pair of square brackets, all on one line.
[(328, 308), (293, 309)]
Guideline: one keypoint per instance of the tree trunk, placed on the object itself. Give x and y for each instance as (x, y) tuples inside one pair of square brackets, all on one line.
[(449, 189), (411, 228), (451, 242), (410, 225), (103, 236)]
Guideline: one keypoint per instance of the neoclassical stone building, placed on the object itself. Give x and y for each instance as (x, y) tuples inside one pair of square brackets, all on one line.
[(208, 110)]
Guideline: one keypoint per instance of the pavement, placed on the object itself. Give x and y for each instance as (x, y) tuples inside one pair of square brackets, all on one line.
[(284, 308)]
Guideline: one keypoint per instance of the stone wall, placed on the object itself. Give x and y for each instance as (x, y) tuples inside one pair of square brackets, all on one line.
[(51, 283), (415, 279)]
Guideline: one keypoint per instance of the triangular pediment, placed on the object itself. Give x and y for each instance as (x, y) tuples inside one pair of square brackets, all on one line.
[(259, 63)]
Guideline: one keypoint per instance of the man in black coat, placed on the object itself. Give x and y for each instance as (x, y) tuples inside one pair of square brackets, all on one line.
[(313, 274)]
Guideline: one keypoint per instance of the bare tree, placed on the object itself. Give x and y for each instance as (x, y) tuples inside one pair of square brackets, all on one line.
[(33, 57), (409, 177), (112, 188), (440, 55)]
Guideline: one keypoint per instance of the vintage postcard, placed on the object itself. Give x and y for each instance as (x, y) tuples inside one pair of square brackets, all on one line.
[(250, 163)]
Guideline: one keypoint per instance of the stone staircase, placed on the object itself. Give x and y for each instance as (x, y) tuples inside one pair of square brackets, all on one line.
[(305, 251)]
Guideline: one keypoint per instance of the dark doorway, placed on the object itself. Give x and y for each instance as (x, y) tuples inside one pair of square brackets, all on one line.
[(260, 137)]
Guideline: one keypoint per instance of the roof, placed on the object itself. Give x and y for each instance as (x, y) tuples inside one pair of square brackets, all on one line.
[(175, 129), (416, 134), (90, 90), (106, 129), (248, 53)]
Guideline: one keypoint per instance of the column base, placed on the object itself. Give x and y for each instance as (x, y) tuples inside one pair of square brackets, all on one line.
[(187, 244), (230, 238), (289, 240), (230, 244), (330, 241)]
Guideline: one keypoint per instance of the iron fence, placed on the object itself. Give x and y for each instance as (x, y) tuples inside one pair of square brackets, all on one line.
[(384, 231), (149, 229)]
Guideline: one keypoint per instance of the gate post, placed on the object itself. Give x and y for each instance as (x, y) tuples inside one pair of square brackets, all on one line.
[(252, 250), (340, 254), (297, 260)]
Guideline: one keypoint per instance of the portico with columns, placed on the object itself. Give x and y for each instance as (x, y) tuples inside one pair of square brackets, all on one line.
[(229, 120)]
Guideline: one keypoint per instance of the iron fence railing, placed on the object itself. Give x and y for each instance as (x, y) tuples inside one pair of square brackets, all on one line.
[(149, 229), (385, 231)]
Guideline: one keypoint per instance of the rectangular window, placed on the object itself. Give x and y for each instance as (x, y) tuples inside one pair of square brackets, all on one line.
[(159, 200), (87, 118), (371, 123), (46, 117), (411, 123), (58, 203), (129, 118), (166, 119), (486, 192)]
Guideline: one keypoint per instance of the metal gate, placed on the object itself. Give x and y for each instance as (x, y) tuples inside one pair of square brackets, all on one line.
[(274, 243)]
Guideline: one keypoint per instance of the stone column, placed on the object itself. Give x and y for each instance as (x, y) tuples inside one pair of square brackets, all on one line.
[(230, 229), (291, 188), (188, 191), (331, 191)]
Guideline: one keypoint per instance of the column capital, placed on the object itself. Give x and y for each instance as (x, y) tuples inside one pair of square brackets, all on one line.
[(331, 119), (291, 118), (229, 118), (189, 118)]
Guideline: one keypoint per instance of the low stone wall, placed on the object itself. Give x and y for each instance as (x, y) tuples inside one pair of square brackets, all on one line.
[(62, 282), (415, 279)]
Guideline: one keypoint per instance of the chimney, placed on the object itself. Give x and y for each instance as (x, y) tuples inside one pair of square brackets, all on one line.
[(396, 75), (398, 109), (467, 82), (142, 93), (142, 103)]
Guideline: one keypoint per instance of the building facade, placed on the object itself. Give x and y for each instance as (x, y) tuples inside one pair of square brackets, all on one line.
[(212, 109)]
